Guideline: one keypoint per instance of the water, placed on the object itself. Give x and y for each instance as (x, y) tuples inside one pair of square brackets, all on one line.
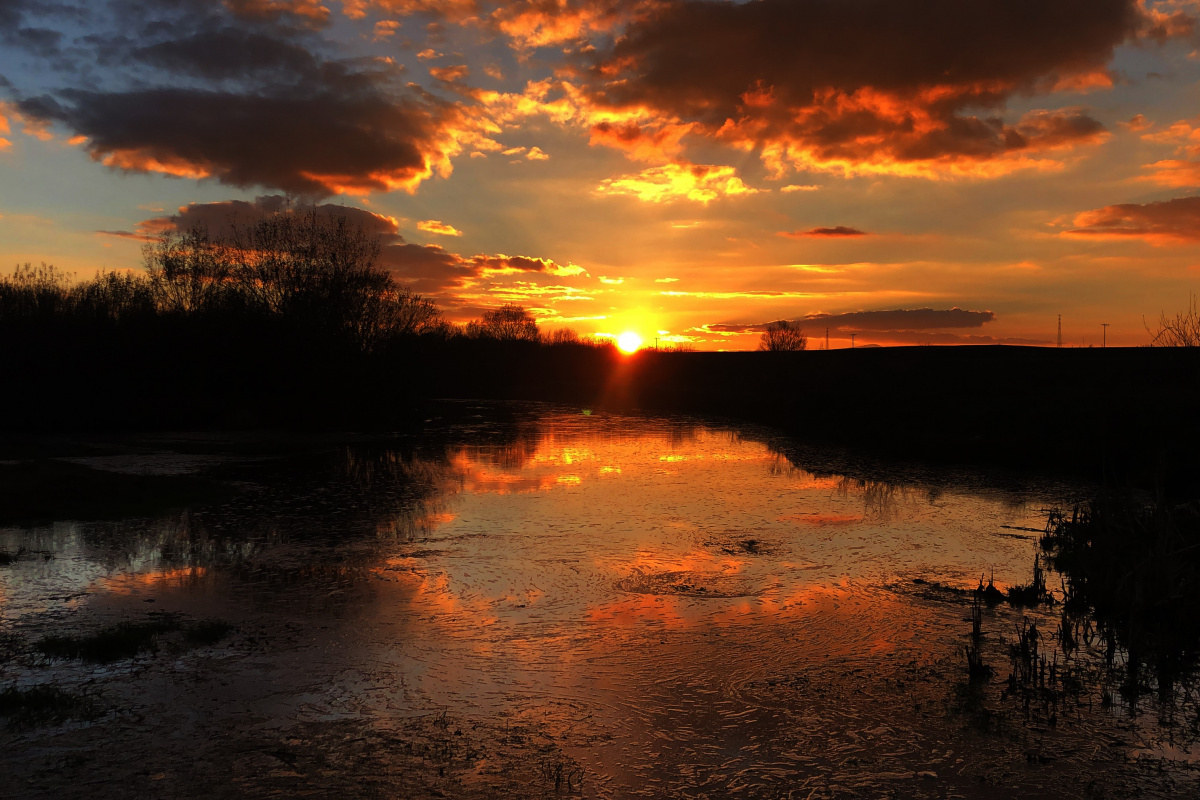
[(531, 601)]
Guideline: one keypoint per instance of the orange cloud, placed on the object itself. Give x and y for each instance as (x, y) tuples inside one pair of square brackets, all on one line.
[(827, 86), (1172, 19), (140, 161), (456, 10), (507, 265), (1139, 123), (641, 143), (452, 74), (310, 12), (1178, 174), (1182, 133), (386, 28), (438, 227), (356, 143), (700, 183), (538, 23), (1166, 222)]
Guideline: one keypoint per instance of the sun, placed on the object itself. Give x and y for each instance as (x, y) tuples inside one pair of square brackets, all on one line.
[(629, 342)]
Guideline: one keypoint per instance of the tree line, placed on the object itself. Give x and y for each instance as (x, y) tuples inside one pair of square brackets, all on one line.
[(302, 269)]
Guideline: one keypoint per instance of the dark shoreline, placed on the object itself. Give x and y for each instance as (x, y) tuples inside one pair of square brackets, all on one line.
[(1121, 416)]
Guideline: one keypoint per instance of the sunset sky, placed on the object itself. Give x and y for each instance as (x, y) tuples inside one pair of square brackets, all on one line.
[(914, 171)]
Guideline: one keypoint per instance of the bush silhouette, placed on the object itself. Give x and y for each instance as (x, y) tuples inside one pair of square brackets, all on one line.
[(783, 336), (509, 323)]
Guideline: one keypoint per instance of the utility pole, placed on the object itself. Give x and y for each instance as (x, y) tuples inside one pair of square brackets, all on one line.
[(827, 338), (852, 340), (1104, 337), (1060, 330)]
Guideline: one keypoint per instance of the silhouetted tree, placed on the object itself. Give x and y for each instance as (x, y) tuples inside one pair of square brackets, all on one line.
[(509, 323), (34, 292), (312, 270), (187, 270), (563, 336), (1182, 331), (114, 296), (783, 335)]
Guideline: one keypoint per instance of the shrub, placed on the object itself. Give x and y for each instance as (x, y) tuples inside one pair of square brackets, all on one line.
[(783, 336)]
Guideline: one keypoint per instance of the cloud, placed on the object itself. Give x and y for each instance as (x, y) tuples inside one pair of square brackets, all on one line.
[(506, 265), (915, 319), (799, 188), (241, 93), (1138, 123), (841, 231), (527, 23), (456, 73), (385, 29), (538, 23), (699, 183), (309, 13), (1166, 222), (639, 142), (438, 227), (314, 144), (912, 87), (1176, 173), (456, 10), (944, 337), (221, 218)]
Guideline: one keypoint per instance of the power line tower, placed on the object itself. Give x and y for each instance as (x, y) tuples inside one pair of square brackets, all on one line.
[(1104, 341), (1060, 330)]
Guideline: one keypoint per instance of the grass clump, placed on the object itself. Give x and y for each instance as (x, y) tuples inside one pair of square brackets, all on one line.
[(39, 705), (1135, 567), (207, 633), (128, 639), (48, 489), (115, 643)]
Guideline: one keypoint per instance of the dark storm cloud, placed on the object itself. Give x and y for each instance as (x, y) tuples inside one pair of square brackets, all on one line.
[(840, 231), (29, 25), (231, 52), (304, 13), (914, 319), (311, 143), (241, 92), (850, 81), (1169, 221), (220, 218)]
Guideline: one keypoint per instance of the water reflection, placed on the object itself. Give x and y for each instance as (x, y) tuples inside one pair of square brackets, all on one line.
[(676, 609)]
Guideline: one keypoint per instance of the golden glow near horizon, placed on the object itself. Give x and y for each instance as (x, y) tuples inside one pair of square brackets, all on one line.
[(629, 342), (773, 171)]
